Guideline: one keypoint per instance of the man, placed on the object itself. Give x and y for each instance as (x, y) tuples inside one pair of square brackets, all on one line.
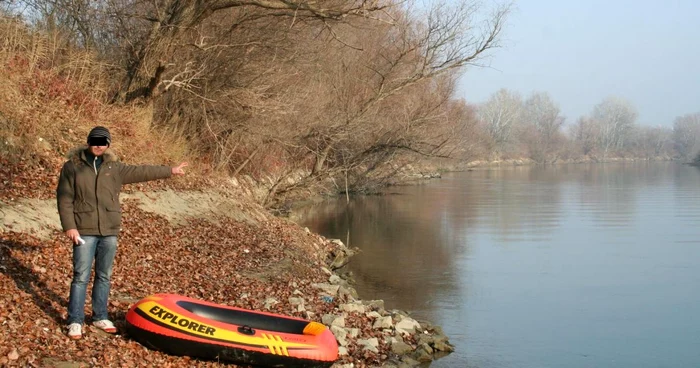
[(88, 205)]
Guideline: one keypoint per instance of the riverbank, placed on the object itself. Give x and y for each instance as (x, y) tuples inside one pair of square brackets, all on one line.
[(211, 244), (417, 174), (204, 240)]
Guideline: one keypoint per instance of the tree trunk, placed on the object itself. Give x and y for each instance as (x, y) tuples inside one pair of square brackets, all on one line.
[(321, 159)]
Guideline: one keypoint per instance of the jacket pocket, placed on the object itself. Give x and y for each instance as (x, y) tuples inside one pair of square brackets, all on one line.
[(85, 216), (114, 217)]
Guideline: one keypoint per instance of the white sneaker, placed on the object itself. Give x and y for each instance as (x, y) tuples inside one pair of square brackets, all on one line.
[(75, 330), (105, 325)]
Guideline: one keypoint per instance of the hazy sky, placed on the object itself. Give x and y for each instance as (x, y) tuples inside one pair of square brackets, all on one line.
[(580, 52)]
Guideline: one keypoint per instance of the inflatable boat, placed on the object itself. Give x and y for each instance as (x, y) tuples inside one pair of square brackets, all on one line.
[(179, 325)]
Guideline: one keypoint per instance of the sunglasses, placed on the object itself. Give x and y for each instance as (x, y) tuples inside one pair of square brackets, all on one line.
[(98, 141)]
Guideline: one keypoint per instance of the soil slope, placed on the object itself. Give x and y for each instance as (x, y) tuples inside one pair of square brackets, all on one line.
[(203, 244)]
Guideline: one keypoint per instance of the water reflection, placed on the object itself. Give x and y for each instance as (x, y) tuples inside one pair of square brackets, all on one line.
[(514, 204), (571, 265), (411, 236), (687, 197), (405, 244)]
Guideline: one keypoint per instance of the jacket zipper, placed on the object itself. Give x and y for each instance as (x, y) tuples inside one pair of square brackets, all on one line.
[(97, 200)]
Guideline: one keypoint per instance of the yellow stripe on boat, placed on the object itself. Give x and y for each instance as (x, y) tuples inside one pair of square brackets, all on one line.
[(181, 323)]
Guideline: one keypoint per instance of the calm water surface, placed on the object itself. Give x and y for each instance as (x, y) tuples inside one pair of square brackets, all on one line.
[(565, 266)]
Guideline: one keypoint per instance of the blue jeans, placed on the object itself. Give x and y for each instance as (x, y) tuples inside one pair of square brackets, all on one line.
[(101, 249)]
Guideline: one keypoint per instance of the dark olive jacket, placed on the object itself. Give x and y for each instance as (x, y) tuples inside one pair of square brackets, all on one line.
[(88, 199)]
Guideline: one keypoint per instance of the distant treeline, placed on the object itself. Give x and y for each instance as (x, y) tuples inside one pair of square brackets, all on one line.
[(533, 127), (302, 93)]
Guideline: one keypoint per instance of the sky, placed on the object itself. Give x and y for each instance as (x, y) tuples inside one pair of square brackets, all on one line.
[(580, 52)]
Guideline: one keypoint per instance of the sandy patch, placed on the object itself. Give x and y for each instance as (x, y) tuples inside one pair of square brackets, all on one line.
[(39, 217), (177, 207)]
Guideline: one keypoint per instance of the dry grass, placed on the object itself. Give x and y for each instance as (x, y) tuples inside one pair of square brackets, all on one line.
[(52, 97)]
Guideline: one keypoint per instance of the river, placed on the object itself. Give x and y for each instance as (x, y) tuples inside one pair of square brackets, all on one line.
[(586, 265)]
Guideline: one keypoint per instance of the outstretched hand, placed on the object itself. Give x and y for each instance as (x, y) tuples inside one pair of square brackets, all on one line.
[(178, 170)]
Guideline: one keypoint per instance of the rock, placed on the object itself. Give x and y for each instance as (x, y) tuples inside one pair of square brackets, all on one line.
[(377, 305), (339, 261), (353, 307), (335, 280), (329, 289), (408, 362), (429, 339), (383, 322), (443, 346), (432, 339), (438, 330), (333, 320), (371, 344), (339, 321), (407, 326), (373, 315), (341, 256), (438, 342), (348, 292), (353, 332), (270, 302), (425, 325), (340, 334), (427, 349), (423, 355), (400, 348)]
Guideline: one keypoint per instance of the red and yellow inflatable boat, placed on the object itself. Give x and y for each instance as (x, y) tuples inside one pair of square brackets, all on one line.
[(183, 326)]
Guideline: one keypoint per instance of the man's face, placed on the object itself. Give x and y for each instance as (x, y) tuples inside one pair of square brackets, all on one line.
[(97, 145), (98, 150)]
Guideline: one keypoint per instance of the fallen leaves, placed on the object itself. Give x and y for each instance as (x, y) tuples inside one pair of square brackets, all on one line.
[(224, 261), (217, 259), (13, 355)]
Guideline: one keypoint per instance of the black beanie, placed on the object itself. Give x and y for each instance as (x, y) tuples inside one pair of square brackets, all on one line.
[(100, 132)]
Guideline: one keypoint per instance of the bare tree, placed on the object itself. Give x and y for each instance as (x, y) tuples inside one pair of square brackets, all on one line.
[(585, 135), (686, 132), (614, 117), (148, 33), (408, 52), (274, 89), (501, 113), (542, 124), (650, 142), (83, 24)]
